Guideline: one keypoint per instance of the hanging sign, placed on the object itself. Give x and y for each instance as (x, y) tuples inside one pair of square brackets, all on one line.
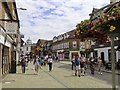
[(11, 27)]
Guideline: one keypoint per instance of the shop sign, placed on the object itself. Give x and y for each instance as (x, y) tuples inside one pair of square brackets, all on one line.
[(11, 28)]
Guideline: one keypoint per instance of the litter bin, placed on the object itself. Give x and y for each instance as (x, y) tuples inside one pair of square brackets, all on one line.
[(13, 67)]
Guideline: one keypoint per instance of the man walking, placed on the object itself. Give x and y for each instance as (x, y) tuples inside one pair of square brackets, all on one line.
[(77, 68)]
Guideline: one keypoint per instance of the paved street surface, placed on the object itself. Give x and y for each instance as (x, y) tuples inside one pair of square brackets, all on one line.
[(60, 77)]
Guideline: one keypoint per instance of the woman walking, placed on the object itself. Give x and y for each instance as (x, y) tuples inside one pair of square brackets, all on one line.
[(99, 62), (92, 66), (37, 64), (50, 61), (23, 64)]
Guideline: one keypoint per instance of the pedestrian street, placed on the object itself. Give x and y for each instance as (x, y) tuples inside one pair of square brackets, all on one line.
[(59, 77)]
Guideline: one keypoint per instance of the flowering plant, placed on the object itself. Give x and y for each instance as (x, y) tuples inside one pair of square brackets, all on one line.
[(96, 28)]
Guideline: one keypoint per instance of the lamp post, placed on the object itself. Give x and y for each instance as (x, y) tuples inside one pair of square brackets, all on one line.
[(113, 63), (113, 30)]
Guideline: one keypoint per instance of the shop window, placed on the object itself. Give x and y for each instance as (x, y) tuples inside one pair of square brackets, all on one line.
[(66, 56)]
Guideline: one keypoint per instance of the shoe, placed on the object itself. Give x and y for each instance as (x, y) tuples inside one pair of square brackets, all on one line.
[(75, 74), (101, 73), (78, 75)]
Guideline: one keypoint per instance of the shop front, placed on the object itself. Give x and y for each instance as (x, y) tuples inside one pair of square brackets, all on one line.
[(5, 52), (66, 54), (60, 54), (5, 59)]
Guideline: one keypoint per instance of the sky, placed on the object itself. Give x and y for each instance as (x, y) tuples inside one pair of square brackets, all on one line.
[(45, 19)]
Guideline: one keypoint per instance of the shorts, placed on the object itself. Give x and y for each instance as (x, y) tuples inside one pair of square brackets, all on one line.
[(78, 67)]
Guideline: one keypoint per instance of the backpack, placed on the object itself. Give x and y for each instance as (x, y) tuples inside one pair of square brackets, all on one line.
[(23, 61), (81, 62)]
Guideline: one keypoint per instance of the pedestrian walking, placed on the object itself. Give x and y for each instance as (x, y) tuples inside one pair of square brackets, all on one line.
[(37, 64), (82, 66), (45, 60), (23, 64), (73, 62), (50, 62), (99, 62), (92, 66), (77, 66)]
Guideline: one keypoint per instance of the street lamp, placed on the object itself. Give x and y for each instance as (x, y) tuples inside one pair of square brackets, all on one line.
[(13, 20), (22, 8)]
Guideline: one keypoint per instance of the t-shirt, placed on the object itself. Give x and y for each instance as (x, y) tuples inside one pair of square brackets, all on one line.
[(77, 61), (49, 60)]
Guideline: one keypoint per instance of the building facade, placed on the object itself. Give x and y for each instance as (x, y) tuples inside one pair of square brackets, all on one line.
[(67, 45), (9, 51), (27, 48)]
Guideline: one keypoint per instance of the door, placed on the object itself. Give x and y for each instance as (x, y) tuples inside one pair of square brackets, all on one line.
[(102, 57)]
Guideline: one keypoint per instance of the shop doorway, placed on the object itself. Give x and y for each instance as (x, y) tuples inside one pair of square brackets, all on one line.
[(103, 58)]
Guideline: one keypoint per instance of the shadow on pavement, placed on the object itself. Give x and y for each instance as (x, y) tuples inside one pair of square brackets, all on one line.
[(31, 74)]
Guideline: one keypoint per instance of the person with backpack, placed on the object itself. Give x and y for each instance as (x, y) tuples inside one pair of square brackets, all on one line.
[(77, 66), (82, 66), (23, 64)]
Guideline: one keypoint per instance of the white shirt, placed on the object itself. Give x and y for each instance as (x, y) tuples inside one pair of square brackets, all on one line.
[(50, 60)]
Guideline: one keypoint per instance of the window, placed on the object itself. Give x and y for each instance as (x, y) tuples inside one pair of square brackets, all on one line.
[(74, 44), (27, 49)]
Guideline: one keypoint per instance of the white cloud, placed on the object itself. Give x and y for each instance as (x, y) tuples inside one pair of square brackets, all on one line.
[(48, 18)]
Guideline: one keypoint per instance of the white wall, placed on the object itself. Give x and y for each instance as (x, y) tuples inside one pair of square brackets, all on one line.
[(117, 55), (105, 50), (25, 49)]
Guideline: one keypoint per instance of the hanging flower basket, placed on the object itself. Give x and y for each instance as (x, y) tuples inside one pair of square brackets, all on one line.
[(113, 28), (99, 29)]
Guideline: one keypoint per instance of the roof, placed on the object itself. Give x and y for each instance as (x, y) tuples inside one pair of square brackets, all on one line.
[(105, 7)]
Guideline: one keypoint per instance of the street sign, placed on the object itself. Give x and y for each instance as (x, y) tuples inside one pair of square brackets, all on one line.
[(11, 27)]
